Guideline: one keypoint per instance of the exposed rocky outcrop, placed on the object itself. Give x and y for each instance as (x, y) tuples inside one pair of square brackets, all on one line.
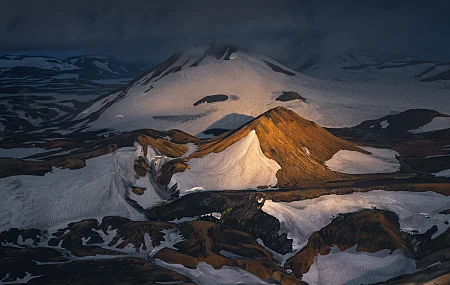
[(49, 266), (88, 237), (207, 242), (12, 167), (290, 96), (141, 167), (240, 210), (277, 68), (401, 122), (212, 99)]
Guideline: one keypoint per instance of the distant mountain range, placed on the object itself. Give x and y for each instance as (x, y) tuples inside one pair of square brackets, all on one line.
[(369, 65), (75, 75)]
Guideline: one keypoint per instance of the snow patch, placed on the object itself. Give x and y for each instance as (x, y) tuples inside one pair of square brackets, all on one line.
[(23, 280), (384, 124), (192, 147), (438, 123), (62, 196), (306, 150), (103, 65), (443, 173), (300, 219), (241, 166), (355, 162), (357, 267)]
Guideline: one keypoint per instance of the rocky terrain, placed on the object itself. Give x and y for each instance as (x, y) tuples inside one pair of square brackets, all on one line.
[(106, 193)]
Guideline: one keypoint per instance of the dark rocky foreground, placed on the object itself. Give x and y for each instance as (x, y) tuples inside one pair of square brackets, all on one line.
[(120, 251), (221, 228)]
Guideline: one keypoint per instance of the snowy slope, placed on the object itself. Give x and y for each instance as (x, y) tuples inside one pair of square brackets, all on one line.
[(62, 196), (438, 123), (354, 162), (357, 267), (166, 97), (243, 165), (416, 211)]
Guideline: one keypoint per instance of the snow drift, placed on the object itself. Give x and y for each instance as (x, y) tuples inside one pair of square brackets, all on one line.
[(241, 166)]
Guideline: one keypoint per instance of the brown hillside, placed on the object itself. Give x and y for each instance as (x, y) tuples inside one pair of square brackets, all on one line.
[(283, 136)]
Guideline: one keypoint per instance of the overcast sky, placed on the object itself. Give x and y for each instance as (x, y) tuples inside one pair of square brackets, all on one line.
[(152, 30)]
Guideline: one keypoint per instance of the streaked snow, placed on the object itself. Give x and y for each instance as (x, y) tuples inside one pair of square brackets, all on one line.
[(243, 165), (354, 162), (417, 211), (28, 276), (438, 123), (95, 191), (205, 274), (353, 268), (103, 65)]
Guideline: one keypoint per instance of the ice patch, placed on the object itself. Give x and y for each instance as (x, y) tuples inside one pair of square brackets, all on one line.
[(300, 219), (241, 166), (354, 162)]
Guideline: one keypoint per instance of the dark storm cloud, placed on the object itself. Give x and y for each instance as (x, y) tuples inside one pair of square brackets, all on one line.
[(153, 29)]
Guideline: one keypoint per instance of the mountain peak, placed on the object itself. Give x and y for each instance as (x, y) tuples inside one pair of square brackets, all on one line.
[(299, 146)]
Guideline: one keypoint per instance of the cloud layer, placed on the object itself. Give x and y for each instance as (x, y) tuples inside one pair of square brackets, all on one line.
[(151, 30)]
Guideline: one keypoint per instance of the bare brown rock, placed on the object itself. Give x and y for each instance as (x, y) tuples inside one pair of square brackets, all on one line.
[(72, 163), (283, 136), (139, 190), (12, 167), (141, 167), (169, 169), (207, 242)]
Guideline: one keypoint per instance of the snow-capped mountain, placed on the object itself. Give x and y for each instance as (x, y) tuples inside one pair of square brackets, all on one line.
[(82, 74), (84, 66), (41, 62), (208, 89), (49, 88), (369, 65), (105, 66)]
